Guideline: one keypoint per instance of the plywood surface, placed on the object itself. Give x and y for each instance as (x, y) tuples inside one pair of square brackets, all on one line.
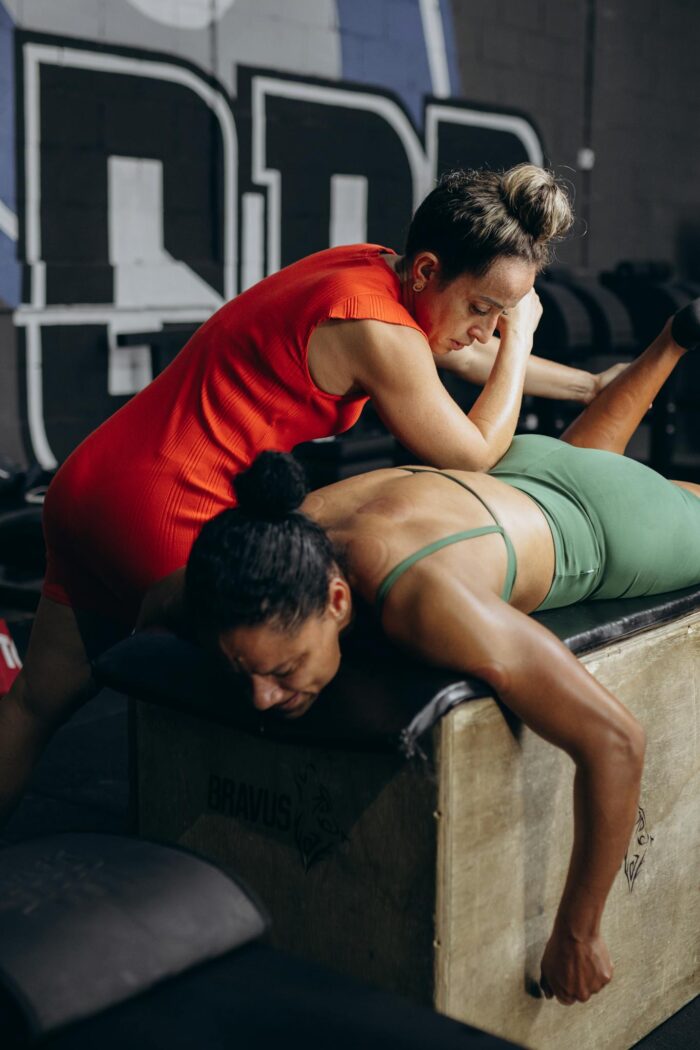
[(340, 846)]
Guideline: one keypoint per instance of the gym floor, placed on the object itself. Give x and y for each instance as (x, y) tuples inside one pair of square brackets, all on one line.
[(81, 784)]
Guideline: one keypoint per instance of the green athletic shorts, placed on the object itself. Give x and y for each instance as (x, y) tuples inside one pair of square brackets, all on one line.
[(620, 529)]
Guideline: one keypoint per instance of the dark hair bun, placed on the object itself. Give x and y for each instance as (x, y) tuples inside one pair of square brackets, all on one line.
[(272, 487)]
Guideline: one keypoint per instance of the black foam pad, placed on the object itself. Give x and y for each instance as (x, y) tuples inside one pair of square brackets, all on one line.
[(382, 698), (87, 921)]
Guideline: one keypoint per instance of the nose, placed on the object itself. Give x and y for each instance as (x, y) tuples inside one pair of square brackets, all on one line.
[(266, 693), (483, 329)]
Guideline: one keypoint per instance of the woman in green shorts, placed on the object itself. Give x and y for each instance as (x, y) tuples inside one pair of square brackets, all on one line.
[(452, 561)]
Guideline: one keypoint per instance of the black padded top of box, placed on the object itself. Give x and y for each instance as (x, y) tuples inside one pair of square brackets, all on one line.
[(382, 698)]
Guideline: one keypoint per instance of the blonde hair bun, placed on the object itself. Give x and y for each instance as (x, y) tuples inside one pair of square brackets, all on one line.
[(536, 199)]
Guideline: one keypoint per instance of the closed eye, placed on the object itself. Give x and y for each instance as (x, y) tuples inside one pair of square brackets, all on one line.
[(477, 311)]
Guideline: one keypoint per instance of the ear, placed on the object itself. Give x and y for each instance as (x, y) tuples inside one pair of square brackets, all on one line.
[(425, 267), (339, 599)]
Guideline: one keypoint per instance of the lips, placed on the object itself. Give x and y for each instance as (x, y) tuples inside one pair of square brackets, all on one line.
[(454, 345), (291, 703), (295, 703)]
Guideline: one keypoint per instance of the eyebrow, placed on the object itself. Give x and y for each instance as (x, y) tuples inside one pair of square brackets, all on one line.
[(494, 302), (276, 670), (266, 674)]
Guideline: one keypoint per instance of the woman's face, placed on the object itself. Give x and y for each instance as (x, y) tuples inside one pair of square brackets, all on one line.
[(288, 669), (467, 309)]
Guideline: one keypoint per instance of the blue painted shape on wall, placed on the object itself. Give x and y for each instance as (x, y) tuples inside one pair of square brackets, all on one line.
[(448, 30), (382, 43), (9, 267)]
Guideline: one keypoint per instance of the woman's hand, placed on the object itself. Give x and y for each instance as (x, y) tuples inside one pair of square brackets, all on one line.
[(521, 322), (574, 969), (601, 380)]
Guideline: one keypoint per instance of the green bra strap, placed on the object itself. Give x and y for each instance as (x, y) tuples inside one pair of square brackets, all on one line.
[(456, 537), (511, 567), (512, 564)]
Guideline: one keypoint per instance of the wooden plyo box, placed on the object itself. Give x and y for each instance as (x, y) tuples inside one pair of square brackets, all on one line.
[(439, 877)]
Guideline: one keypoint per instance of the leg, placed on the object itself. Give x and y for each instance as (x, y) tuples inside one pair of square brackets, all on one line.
[(691, 486), (55, 680), (614, 415)]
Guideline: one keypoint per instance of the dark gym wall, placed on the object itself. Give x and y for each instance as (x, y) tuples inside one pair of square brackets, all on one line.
[(534, 51), (646, 133), (619, 77), (156, 157)]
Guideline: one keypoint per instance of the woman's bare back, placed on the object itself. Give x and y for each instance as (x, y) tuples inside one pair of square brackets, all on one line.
[(382, 517)]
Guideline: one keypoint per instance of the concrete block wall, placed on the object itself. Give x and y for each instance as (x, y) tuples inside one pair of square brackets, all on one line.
[(646, 131), (534, 52), (157, 156), (615, 76)]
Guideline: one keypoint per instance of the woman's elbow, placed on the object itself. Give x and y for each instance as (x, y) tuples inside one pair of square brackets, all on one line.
[(624, 744), (479, 460), (636, 743)]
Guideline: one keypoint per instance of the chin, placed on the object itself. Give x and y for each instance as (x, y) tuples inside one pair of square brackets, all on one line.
[(289, 716), (298, 712)]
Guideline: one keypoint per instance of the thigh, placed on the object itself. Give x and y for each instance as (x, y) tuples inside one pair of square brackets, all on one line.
[(57, 675)]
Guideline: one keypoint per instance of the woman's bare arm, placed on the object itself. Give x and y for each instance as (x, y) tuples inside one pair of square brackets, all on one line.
[(537, 677), (395, 366), (543, 378)]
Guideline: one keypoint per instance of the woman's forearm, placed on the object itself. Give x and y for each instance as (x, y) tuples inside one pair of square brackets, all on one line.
[(606, 796), (609, 755), (496, 411), (607, 745), (543, 378), (576, 963), (560, 382)]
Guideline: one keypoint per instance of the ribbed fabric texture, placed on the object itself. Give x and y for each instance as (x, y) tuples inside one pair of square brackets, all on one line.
[(125, 507)]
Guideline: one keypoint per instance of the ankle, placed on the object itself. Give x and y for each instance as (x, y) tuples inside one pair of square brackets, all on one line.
[(685, 326)]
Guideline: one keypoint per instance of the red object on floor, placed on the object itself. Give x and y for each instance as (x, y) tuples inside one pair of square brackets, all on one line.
[(10, 663)]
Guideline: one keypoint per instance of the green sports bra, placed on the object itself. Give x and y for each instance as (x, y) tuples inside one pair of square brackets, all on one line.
[(455, 537)]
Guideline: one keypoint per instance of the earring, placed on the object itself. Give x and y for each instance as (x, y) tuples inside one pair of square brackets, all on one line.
[(418, 286)]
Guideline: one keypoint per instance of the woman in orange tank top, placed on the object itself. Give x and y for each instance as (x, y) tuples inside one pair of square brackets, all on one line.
[(295, 357)]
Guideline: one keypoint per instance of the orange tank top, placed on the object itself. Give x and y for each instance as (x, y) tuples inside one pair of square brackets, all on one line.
[(163, 464)]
